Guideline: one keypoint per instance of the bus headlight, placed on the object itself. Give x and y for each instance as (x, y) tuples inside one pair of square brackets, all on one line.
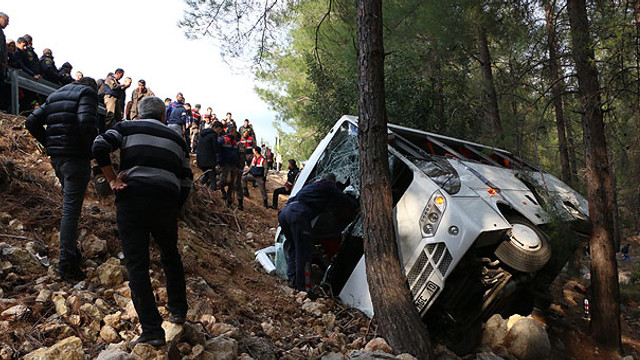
[(432, 214)]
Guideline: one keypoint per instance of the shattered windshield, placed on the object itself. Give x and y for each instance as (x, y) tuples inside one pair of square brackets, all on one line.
[(440, 171), (341, 158)]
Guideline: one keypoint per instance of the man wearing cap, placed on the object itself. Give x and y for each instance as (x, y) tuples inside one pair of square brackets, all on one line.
[(139, 93), (64, 74), (114, 97)]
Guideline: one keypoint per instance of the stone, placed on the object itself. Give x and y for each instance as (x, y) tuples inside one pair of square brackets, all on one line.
[(221, 329), (91, 331), (512, 320), (193, 335), (74, 302), (378, 355), (74, 320), (222, 348), (333, 356), (406, 356), (91, 311), (184, 348), (43, 296), (110, 272), (528, 340), (21, 258), (6, 353), (103, 306), (329, 320), (109, 334), (268, 329), (16, 224), (113, 320), (114, 355), (172, 331), (67, 349), (56, 329), (249, 235), (378, 344), (93, 247), (147, 352), (16, 312), (494, 331), (315, 308), (60, 302), (5, 218)]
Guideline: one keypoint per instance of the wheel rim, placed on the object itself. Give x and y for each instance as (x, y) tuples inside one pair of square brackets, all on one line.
[(525, 238)]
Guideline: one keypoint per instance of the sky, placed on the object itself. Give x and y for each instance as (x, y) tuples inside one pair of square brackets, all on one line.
[(142, 37)]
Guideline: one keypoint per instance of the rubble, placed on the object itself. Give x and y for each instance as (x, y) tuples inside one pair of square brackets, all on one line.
[(93, 246), (110, 273), (378, 344), (67, 349)]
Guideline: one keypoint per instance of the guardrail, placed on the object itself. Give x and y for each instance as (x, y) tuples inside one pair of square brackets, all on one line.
[(19, 79)]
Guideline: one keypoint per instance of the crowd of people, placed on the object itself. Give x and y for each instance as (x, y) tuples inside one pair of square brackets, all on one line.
[(144, 150)]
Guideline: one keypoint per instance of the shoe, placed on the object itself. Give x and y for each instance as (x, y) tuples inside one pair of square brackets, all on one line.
[(151, 340), (240, 205), (266, 204), (71, 272), (224, 194), (245, 191), (177, 319)]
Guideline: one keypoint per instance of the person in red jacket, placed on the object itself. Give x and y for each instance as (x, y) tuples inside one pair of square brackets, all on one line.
[(257, 174), (249, 143)]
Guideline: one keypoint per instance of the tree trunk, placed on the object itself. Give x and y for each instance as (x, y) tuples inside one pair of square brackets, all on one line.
[(484, 57), (557, 85), (397, 316), (605, 309), (571, 148)]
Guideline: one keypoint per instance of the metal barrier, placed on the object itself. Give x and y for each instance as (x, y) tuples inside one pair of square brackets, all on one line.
[(18, 79)]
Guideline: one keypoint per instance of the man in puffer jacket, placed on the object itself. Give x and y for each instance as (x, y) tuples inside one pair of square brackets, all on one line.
[(70, 116), (206, 154)]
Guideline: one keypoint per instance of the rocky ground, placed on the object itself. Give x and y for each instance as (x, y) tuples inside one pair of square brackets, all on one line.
[(236, 310)]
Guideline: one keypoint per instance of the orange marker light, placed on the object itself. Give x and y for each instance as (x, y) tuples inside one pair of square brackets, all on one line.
[(440, 200), (492, 191)]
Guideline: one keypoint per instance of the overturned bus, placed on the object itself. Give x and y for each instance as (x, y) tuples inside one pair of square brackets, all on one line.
[(479, 230)]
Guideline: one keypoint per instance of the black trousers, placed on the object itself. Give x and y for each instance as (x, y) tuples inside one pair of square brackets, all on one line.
[(277, 192), (138, 218), (295, 222)]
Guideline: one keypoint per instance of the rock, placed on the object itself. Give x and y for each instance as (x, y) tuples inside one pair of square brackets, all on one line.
[(172, 331), (93, 246), (512, 320), (103, 307), (16, 312), (16, 224), (147, 352), (222, 348), (55, 329), (21, 258), (268, 329), (221, 329), (67, 349), (43, 296), (378, 344), (61, 304), (110, 272), (109, 335), (5, 218), (91, 311), (193, 335), (249, 235), (378, 355), (315, 308), (329, 320), (528, 340), (184, 348), (113, 320), (494, 331), (6, 353), (406, 357), (333, 356), (91, 331), (628, 357), (114, 355)]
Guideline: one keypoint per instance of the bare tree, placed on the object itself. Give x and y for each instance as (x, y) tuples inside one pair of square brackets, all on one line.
[(397, 317)]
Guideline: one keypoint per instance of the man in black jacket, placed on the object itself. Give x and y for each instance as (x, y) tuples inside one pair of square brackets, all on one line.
[(154, 182), (70, 116), (291, 180), (206, 154), (48, 67)]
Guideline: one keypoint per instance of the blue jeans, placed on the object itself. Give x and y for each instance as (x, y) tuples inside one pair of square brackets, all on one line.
[(74, 175)]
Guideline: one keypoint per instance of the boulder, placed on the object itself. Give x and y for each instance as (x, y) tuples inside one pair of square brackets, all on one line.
[(528, 340), (67, 349), (109, 335), (110, 272), (378, 344), (114, 355), (93, 246)]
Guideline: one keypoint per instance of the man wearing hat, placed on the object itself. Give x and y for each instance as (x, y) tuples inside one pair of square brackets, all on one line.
[(138, 94)]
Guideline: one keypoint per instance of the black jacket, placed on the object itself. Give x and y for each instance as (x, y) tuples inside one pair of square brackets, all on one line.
[(22, 60), (48, 69), (70, 115), (208, 149)]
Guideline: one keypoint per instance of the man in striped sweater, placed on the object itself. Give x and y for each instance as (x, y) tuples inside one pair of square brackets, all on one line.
[(154, 182)]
